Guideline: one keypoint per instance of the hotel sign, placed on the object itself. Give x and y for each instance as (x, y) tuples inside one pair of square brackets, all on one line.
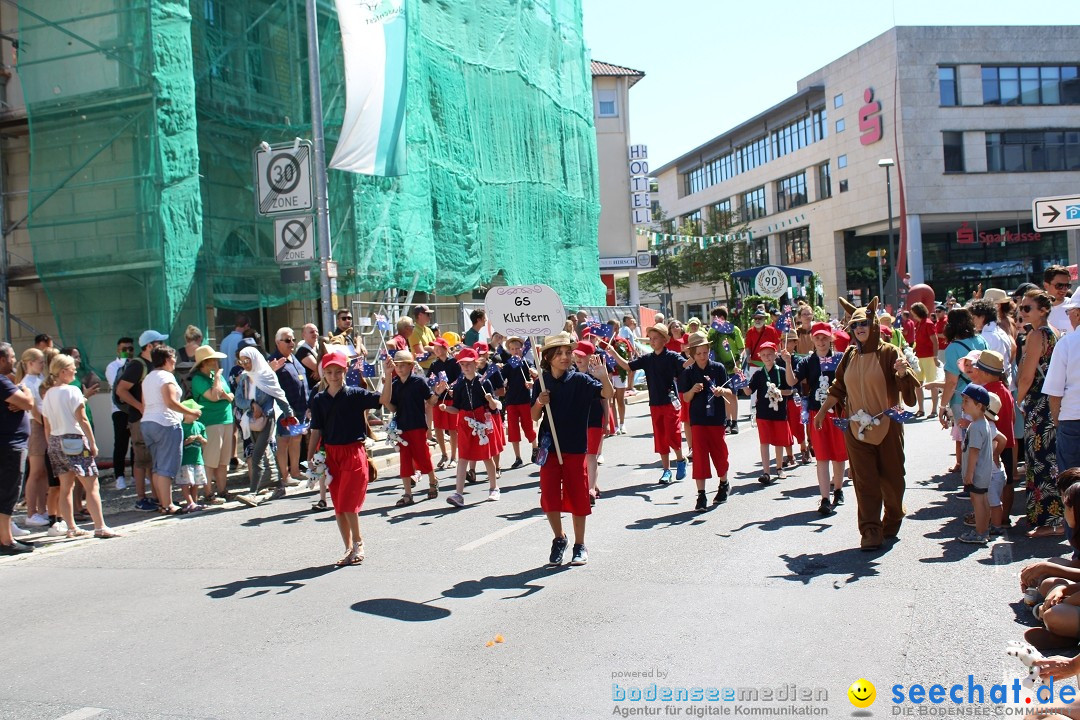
[(640, 199)]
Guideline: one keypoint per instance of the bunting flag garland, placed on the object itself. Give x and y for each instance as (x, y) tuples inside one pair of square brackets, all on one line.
[(656, 239)]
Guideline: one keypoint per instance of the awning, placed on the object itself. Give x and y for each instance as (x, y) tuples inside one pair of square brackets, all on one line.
[(791, 272)]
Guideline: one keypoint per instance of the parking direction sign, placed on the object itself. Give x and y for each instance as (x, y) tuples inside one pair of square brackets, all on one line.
[(294, 239), (283, 179), (1056, 213)]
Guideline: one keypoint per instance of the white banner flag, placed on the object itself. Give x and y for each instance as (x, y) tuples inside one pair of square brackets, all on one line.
[(373, 36)]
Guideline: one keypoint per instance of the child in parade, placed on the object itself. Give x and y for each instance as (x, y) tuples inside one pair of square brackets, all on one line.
[(490, 372), (519, 375), (662, 367), (192, 472), (474, 400), (817, 372), (622, 380), (789, 355), (564, 486), (445, 424), (338, 424), (988, 368), (770, 387), (727, 344), (597, 413), (408, 396), (703, 383)]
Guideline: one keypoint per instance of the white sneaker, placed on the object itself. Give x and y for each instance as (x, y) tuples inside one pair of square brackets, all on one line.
[(37, 520), (599, 459), (456, 500), (17, 531), (493, 495), (58, 529), (121, 483)]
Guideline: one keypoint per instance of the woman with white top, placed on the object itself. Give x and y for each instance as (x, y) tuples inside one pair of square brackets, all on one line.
[(257, 395), (161, 424), (71, 444), (30, 373)]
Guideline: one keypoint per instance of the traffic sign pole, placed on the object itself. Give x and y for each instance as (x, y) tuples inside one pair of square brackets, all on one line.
[(322, 209)]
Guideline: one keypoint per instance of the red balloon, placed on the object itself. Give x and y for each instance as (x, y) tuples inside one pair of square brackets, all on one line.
[(921, 293)]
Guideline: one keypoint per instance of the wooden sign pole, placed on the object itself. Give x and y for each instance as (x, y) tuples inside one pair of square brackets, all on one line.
[(547, 408)]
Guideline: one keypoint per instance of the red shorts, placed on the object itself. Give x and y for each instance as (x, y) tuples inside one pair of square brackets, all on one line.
[(774, 432), (709, 444), (609, 419), (348, 468), (468, 444), (443, 420), (564, 488), (794, 421), (518, 420), (595, 437), (667, 433), (684, 411), (828, 441), (500, 431), (416, 456)]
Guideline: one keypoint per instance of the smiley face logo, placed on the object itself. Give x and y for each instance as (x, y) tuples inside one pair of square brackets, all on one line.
[(862, 693)]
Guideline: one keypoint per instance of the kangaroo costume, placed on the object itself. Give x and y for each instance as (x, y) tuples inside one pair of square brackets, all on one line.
[(872, 377)]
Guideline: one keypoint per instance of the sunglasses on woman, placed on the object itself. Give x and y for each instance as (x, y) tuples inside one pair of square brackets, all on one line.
[(1026, 308), (860, 324)]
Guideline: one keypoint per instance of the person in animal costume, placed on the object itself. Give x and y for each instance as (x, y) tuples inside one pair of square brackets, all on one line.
[(871, 378)]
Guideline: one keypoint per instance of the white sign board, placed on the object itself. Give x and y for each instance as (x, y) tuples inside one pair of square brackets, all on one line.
[(283, 179), (614, 263), (524, 310), (294, 239), (1056, 213), (771, 281), (640, 198)]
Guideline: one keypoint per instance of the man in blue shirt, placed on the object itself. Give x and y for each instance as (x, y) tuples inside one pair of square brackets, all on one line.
[(14, 432), (231, 344)]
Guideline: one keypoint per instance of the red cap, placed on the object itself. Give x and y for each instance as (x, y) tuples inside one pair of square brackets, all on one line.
[(441, 343), (481, 348), (467, 355), (820, 328), (841, 340), (584, 348), (334, 358), (767, 346)]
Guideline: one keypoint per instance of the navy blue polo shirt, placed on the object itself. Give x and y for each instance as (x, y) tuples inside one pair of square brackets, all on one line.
[(469, 394), (661, 370), (14, 424), (516, 392), (777, 376), (409, 399), (292, 377), (809, 370), (571, 397), (340, 417), (449, 366), (713, 373)]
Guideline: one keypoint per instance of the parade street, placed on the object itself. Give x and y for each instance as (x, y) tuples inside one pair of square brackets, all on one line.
[(241, 613)]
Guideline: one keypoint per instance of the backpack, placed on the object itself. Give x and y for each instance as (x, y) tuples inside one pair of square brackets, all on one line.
[(145, 369)]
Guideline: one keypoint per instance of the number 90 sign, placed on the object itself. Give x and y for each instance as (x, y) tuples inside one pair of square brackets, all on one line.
[(771, 281)]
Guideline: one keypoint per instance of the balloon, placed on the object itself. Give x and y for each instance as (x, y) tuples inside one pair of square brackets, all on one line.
[(921, 293)]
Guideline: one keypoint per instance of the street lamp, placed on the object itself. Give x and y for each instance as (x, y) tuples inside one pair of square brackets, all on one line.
[(888, 163)]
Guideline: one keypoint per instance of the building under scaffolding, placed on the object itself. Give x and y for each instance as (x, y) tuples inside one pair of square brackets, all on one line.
[(142, 117)]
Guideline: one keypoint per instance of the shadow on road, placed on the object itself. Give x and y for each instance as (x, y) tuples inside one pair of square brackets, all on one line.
[(804, 517), (410, 611), (262, 584), (684, 517), (852, 562)]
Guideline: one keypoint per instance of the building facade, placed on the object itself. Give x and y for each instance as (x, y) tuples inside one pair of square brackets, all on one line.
[(611, 115), (976, 122)]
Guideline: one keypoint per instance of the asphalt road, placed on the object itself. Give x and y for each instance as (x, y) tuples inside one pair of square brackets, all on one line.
[(240, 613)]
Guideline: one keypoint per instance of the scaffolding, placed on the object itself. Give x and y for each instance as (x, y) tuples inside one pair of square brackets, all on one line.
[(144, 114)]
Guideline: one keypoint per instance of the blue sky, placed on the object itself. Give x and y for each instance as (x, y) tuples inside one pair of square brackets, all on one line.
[(710, 64)]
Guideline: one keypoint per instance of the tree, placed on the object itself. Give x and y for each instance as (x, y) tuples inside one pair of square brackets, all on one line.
[(714, 263)]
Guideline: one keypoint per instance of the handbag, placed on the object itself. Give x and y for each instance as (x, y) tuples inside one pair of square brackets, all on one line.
[(72, 445), (257, 424)]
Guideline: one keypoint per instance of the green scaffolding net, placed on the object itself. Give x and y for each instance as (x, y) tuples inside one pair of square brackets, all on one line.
[(144, 115)]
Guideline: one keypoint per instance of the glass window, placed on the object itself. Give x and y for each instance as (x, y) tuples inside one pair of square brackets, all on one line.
[(759, 251), (753, 204), (790, 192), (947, 86), (1051, 85), (1009, 85), (1040, 151), (843, 186), (953, 146), (990, 86), (840, 125), (824, 181), (606, 103), (838, 101), (1031, 85), (841, 162), (795, 246)]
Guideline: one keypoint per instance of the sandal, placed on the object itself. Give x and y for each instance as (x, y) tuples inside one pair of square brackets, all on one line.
[(347, 560), (78, 533), (404, 501), (765, 479), (442, 463), (954, 468), (433, 491), (318, 506), (470, 476), (106, 533)]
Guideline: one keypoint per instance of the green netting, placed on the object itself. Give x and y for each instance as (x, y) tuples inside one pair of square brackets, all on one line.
[(143, 121)]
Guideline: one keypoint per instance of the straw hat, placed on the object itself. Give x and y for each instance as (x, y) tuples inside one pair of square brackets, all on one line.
[(556, 340), (205, 352), (662, 329), (402, 357), (791, 335), (514, 338), (995, 295), (991, 362), (696, 339)]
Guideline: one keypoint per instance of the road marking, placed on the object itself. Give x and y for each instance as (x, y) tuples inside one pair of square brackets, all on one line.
[(517, 525), (82, 713)]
